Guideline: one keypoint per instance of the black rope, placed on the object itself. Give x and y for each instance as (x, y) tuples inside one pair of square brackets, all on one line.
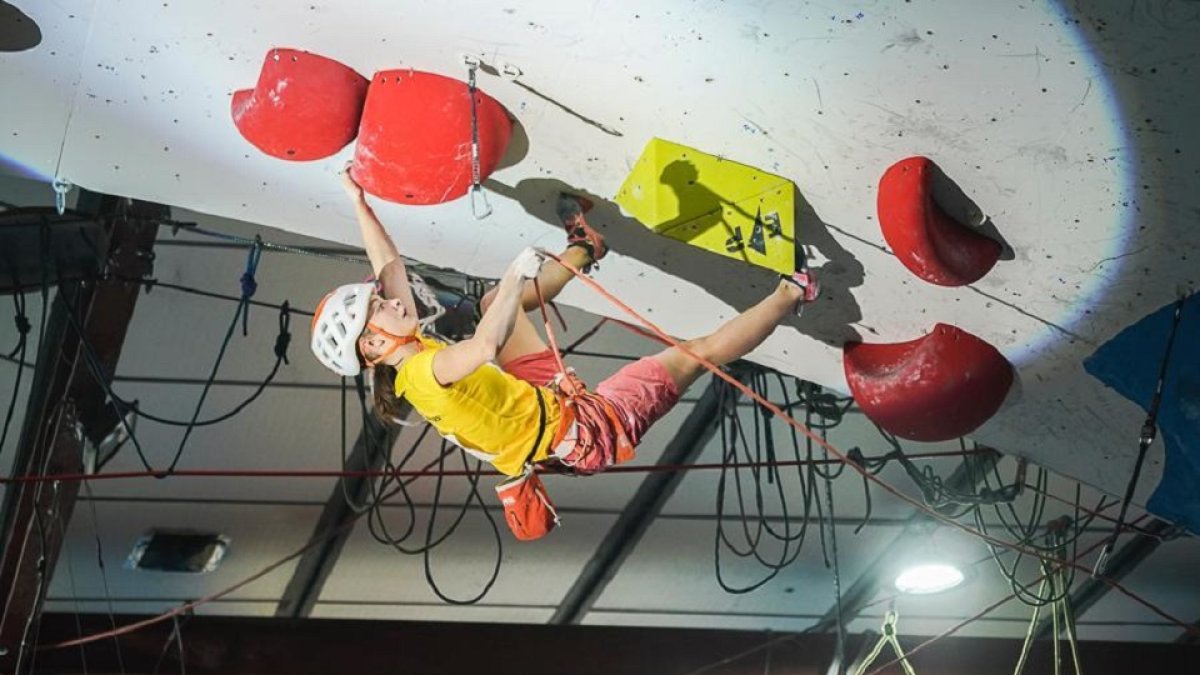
[(282, 342), (112, 618), (430, 543), (251, 265), (23, 329), (150, 284), (122, 406), (756, 536), (840, 644), (249, 283), (380, 496), (1145, 439)]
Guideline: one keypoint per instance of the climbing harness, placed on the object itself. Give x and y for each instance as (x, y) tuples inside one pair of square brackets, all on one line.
[(888, 637), (478, 196), (593, 415), (1145, 440)]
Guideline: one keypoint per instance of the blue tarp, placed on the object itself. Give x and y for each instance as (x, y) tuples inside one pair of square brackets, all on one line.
[(1129, 363)]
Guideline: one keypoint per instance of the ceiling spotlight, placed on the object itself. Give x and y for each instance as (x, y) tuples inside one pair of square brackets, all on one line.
[(928, 578)]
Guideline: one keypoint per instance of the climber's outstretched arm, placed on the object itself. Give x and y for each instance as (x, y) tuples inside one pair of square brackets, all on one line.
[(386, 261)]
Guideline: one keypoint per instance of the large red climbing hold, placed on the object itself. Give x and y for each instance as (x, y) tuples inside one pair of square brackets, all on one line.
[(414, 143), (935, 388), (930, 243), (304, 107)]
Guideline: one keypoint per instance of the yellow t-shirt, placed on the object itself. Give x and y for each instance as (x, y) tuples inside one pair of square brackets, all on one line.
[(489, 413)]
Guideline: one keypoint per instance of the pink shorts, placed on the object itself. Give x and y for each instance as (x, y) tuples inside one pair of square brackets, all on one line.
[(537, 369), (642, 391)]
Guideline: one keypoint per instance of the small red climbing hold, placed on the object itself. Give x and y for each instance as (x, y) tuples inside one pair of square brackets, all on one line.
[(935, 388), (414, 143), (930, 243), (304, 107)]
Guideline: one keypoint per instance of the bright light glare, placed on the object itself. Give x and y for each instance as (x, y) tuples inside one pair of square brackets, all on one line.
[(928, 578)]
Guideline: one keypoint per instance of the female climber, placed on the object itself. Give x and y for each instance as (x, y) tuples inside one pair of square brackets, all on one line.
[(499, 394)]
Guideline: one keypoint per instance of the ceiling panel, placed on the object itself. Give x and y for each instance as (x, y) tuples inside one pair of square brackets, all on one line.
[(285, 429), (259, 535), (672, 569), (535, 573)]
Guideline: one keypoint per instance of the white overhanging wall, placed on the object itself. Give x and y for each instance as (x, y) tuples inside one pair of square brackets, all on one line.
[(1036, 112)]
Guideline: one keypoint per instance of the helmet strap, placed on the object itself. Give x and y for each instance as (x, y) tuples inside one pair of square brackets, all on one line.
[(398, 341)]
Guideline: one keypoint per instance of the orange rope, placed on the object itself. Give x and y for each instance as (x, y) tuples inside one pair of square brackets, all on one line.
[(887, 487), (537, 287)]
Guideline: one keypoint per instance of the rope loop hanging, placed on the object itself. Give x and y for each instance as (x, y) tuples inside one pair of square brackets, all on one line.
[(888, 637)]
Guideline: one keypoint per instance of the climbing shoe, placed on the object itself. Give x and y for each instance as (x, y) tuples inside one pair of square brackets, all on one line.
[(570, 212)]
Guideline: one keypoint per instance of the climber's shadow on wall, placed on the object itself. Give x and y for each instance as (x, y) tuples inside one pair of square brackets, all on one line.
[(739, 284), (837, 314)]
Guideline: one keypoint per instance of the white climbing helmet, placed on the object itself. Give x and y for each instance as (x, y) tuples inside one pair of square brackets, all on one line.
[(338, 322)]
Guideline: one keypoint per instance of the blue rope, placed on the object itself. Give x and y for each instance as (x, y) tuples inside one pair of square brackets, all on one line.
[(249, 285)]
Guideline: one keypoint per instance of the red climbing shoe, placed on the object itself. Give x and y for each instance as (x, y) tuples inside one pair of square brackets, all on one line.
[(807, 280), (570, 211)]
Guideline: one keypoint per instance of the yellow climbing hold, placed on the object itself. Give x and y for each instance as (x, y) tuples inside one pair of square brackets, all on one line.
[(710, 202)]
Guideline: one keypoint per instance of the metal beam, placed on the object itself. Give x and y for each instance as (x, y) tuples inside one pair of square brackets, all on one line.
[(646, 503), (1120, 564), (875, 576), (268, 646), (67, 408), (371, 451), (1189, 637)]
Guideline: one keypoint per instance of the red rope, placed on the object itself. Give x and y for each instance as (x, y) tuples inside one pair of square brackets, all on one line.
[(887, 487), (537, 287)]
